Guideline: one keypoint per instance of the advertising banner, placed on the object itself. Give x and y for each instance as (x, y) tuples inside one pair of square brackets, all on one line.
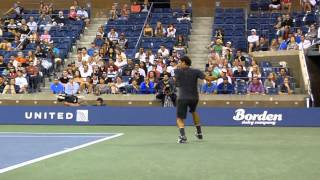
[(293, 117)]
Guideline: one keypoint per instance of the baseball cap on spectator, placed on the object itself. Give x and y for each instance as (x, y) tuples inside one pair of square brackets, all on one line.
[(229, 42), (253, 30), (224, 70)]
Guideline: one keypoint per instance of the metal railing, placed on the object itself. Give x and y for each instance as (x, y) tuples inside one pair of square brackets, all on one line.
[(142, 30)]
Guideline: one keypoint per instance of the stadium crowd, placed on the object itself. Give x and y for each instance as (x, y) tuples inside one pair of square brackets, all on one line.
[(239, 73), (106, 68)]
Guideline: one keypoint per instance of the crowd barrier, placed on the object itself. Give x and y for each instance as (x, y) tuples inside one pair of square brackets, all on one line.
[(157, 116)]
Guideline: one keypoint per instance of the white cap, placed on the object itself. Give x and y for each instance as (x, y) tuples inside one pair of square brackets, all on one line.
[(253, 30)]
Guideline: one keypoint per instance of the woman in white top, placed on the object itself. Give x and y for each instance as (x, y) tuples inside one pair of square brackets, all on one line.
[(171, 31)]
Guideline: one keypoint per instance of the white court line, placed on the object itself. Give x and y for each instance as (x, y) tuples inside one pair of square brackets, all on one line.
[(53, 133), (44, 136), (57, 153)]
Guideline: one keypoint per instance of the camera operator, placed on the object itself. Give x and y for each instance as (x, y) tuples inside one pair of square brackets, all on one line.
[(165, 89), (69, 100)]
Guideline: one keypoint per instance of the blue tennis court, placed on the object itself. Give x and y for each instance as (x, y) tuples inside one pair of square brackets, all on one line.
[(20, 149)]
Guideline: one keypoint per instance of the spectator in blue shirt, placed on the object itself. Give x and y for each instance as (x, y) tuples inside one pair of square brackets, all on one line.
[(209, 87), (147, 87), (283, 44), (92, 49), (56, 87), (72, 87), (99, 41), (225, 87)]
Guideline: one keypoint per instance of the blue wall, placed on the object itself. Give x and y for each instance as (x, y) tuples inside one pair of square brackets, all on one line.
[(158, 116)]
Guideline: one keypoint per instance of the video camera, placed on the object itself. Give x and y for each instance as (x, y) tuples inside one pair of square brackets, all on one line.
[(68, 98)]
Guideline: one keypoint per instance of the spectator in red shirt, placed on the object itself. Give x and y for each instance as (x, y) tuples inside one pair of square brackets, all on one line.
[(135, 8)]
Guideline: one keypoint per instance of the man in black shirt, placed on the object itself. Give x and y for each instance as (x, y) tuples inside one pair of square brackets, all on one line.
[(187, 95)]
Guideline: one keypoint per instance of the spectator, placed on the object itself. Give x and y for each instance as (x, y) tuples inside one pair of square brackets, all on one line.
[(147, 31), (59, 20), (171, 31), (101, 88), (147, 87), (275, 5), (65, 78), (164, 83), (263, 44), (254, 72), (99, 102), (46, 37), (45, 22), (85, 71), (150, 57), (99, 41), (292, 45), (125, 12), (141, 55), (56, 87), (283, 43), (135, 8), (83, 15), (84, 55), (253, 40), (72, 13), (145, 7), (16, 11), (123, 42), (118, 86), (168, 98), (270, 82), (163, 51), (159, 31), (12, 26), (285, 87), (113, 13), (308, 4), (287, 21), (304, 44), (286, 4), (21, 82), (208, 87), (135, 87), (2, 84), (224, 75), (71, 87), (33, 26), (137, 77), (225, 87), (92, 49), (113, 35), (240, 74), (184, 15), (180, 44), (11, 87), (282, 75), (139, 70), (255, 87), (34, 77), (312, 33), (274, 45)]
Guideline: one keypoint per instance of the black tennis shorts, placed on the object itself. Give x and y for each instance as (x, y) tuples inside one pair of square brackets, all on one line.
[(182, 107)]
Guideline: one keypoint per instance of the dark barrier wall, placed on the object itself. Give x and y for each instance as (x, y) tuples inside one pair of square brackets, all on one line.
[(158, 116), (314, 69)]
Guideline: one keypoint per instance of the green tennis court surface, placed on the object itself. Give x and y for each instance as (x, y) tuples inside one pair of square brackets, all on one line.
[(151, 153)]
